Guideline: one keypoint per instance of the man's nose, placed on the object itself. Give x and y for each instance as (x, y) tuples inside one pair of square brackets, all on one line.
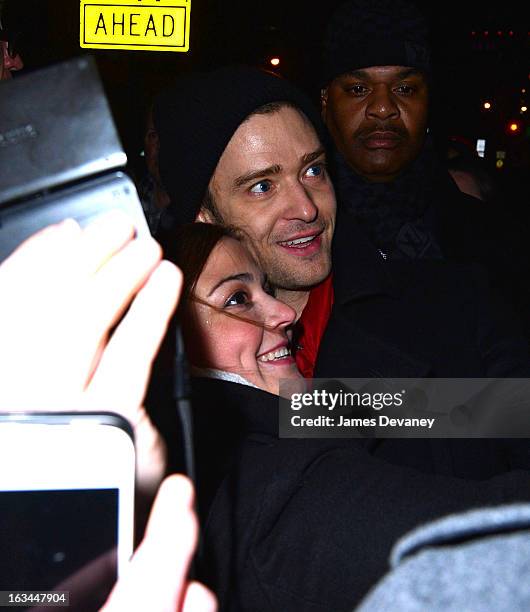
[(278, 315), (301, 204), (381, 104)]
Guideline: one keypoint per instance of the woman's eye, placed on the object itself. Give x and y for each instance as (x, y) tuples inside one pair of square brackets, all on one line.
[(261, 187), (237, 299)]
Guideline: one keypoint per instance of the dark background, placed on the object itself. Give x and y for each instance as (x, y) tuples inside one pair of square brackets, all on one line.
[(470, 65)]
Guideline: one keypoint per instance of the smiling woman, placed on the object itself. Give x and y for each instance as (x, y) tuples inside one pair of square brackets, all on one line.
[(233, 326)]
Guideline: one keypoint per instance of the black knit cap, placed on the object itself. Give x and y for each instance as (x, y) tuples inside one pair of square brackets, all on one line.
[(365, 33), (198, 116)]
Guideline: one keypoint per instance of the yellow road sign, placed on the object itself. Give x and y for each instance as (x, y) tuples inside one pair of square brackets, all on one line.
[(140, 25)]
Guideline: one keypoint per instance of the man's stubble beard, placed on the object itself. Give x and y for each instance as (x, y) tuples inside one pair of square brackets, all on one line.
[(302, 277)]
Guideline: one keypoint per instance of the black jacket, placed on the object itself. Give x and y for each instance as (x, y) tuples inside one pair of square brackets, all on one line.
[(491, 235), (423, 215), (423, 318), (307, 525)]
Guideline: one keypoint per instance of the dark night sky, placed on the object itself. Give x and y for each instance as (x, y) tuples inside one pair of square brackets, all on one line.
[(469, 68)]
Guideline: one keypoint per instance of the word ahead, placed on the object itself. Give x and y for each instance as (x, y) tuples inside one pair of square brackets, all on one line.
[(141, 25)]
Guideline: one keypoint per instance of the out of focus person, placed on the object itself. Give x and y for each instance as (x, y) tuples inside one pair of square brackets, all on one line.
[(10, 60), (469, 173), (152, 194), (477, 560)]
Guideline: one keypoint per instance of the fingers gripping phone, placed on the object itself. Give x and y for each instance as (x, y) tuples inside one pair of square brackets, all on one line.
[(66, 503)]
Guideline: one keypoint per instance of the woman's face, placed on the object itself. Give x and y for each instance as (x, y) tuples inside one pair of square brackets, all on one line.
[(254, 342)]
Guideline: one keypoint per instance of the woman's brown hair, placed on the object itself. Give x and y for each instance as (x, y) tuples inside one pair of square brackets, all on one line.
[(189, 247)]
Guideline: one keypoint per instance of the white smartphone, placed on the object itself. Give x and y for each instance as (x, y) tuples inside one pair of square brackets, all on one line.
[(66, 503)]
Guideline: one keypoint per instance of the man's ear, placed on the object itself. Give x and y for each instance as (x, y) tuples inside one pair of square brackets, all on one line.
[(324, 102)]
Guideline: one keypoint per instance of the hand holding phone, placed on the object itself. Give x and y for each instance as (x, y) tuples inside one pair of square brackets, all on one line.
[(62, 292)]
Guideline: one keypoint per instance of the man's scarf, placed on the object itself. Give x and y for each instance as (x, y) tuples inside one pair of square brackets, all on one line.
[(397, 216)]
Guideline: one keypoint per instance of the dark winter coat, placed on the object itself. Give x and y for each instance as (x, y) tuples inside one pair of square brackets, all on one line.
[(423, 318), (308, 525), (423, 215)]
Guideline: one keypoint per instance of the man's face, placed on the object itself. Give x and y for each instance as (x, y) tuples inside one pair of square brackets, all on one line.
[(271, 182), (378, 119), (8, 63)]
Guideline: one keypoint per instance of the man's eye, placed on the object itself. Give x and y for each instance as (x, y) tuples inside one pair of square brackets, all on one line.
[(239, 298), (405, 89), (261, 187), (316, 170), (358, 90)]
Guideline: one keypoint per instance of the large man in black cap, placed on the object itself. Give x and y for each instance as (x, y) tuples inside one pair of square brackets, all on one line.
[(376, 85)]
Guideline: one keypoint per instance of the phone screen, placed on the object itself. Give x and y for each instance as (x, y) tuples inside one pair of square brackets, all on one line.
[(62, 540), (46, 536)]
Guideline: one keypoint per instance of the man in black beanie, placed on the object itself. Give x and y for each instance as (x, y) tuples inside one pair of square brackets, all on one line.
[(244, 147), (376, 83)]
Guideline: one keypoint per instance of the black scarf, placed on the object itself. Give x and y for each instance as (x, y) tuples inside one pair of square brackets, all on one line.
[(398, 216)]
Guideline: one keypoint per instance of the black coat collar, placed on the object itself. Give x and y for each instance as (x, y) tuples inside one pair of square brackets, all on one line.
[(230, 409)]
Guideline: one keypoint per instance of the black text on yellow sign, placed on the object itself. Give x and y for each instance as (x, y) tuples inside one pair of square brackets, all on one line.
[(141, 25)]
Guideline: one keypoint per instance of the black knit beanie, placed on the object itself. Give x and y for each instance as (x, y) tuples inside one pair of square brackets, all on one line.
[(364, 33), (196, 119)]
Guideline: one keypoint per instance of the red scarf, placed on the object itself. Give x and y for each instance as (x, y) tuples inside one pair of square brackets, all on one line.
[(311, 326)]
